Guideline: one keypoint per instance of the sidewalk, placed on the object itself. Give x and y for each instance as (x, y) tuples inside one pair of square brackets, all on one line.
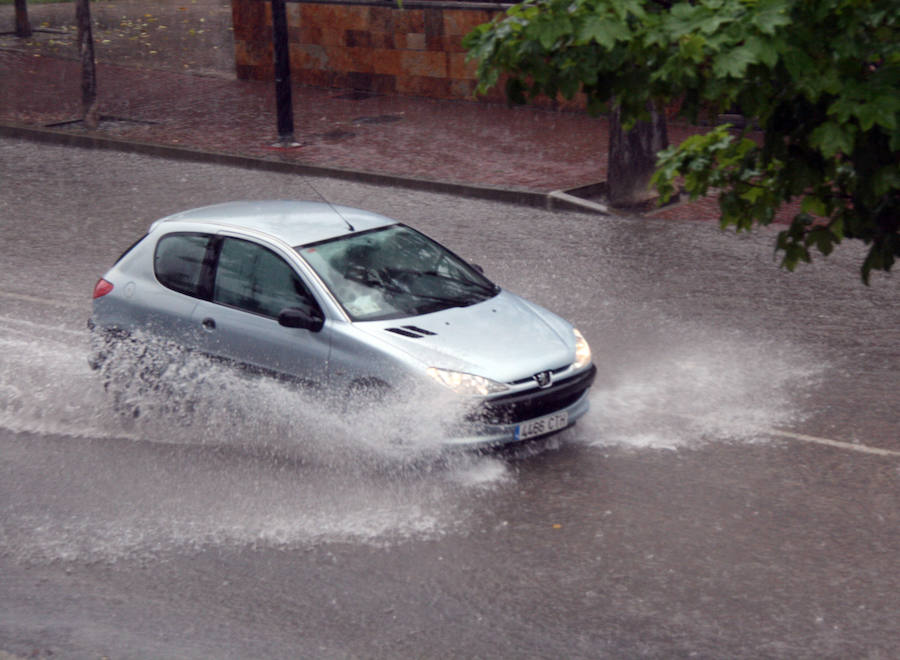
[(524, 154)]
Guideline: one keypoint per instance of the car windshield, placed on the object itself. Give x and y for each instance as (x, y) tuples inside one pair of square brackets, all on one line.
[(395, 272)]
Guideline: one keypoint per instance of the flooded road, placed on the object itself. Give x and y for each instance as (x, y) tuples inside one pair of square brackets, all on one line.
[(734, 492)]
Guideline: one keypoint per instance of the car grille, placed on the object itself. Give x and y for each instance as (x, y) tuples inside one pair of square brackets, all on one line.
[(514, 408)]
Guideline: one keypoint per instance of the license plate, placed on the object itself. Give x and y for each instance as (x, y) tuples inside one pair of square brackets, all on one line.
[(542, 425)]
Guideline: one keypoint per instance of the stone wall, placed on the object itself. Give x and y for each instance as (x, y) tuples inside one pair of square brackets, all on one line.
[(373, 46)]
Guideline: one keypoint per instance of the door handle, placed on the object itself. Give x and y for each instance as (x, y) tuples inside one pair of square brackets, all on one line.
[(208, 324)]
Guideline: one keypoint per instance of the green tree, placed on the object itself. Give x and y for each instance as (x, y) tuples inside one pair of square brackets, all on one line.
[(817, 80)]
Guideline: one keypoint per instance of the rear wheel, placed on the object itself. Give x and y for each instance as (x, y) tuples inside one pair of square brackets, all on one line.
[(142, 376)]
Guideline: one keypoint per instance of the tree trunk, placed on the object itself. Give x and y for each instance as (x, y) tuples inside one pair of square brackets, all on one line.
[(88, 68), (23, 25), (632, 157)]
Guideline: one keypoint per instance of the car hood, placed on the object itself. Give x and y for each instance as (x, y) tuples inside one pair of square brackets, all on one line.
[(505, 338)]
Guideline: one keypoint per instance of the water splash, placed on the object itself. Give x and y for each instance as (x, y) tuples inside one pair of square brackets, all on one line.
[(701, 386), (161, 391), (45, 381), (212, 459)]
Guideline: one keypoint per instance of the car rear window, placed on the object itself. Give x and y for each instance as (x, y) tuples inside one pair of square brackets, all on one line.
[(178, 262)]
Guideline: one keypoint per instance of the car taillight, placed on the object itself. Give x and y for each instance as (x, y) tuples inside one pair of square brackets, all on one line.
[(102, 287)]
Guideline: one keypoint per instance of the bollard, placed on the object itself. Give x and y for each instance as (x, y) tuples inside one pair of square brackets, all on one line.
[(283, 100)]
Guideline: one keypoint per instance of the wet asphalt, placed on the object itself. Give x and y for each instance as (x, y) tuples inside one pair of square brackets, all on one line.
[(733, 493)]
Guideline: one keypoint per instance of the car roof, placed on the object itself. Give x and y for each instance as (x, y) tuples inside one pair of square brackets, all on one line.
[(294, 222)]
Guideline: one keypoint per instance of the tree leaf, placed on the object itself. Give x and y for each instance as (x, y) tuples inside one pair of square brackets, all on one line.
[(548, 32), (763, 51), (832, 138), (813, 205), (881, 110), (602, 30), (771, 15), (734, 62)]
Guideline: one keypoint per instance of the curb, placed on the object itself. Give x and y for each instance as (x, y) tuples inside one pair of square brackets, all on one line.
[(556, 200)]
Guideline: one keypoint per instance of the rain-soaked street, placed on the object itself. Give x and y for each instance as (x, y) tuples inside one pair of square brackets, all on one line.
[(733, 493)]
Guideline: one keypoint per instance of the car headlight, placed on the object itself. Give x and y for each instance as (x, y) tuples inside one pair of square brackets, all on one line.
[(582, 350), (463, 383)]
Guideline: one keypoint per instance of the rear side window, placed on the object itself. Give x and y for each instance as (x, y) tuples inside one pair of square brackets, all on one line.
[(178, 262)]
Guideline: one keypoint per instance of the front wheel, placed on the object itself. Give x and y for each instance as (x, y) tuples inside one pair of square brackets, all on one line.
[(366, 395)]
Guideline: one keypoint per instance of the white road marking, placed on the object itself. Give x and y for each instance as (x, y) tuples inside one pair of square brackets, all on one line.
[(840, 444), (865, 449)]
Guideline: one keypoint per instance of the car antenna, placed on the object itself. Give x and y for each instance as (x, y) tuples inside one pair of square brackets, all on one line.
[(332, 206)]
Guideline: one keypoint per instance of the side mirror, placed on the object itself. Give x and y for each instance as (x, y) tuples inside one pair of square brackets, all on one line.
[(478, 267), (298, 317)]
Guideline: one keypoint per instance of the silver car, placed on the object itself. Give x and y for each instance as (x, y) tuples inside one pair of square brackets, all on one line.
[(349, 301)]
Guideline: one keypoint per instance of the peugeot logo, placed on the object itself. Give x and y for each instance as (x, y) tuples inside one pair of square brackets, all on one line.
[(543, 379)]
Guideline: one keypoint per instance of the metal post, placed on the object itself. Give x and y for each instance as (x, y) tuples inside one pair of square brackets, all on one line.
[(23, 25), (283, 100), (88, 65)]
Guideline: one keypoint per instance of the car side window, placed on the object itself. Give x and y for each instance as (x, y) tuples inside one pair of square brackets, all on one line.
[(255, 279), (178, 262)]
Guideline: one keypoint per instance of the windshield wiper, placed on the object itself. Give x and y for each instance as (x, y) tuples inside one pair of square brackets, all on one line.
[(492, 290), (392, 287), (387, 280)]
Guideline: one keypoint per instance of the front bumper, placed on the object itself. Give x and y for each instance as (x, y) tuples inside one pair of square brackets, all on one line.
[(494, 421)]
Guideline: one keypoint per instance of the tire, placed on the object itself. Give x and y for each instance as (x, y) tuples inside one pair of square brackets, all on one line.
[(365, 394), (138, 377)]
